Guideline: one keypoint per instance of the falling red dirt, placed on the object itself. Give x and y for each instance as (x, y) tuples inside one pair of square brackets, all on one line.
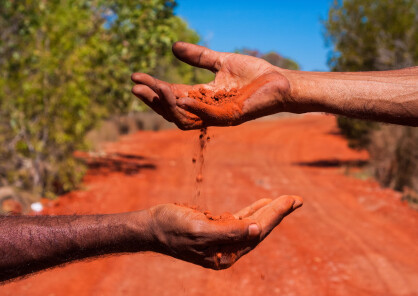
[(351, 237)]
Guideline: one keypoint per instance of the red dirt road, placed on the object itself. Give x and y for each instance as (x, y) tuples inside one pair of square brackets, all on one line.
[(351, 237)]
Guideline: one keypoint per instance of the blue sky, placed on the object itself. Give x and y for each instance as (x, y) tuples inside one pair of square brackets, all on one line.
[(292, 28)]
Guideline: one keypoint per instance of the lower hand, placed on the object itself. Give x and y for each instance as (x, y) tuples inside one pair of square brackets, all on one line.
[(197, 237)]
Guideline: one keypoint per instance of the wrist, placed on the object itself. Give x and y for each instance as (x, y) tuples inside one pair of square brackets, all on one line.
[(266, 95), (140, 236), (300, 98), (157, 236)]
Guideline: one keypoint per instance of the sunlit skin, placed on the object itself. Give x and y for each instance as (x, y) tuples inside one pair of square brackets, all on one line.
[(387, 96), (259, 81), (32, 243)]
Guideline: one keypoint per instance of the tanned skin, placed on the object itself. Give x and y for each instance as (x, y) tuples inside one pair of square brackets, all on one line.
[(387, 96), (32, 243)]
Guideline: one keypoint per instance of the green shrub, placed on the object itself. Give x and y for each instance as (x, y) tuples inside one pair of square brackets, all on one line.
[(369, 35), (65, 64)]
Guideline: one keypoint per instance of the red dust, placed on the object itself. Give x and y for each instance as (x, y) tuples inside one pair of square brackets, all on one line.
[(210, 97), (223, 217), (225, 105), (200, 161)]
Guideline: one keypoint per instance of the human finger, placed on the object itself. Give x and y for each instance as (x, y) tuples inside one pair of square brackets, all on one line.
[(251, 209), (273, 213), (166, 96), (187, 120), (198, 56), (142, 78), (232, 231), (148, 96), (169, 98), (197, 107)]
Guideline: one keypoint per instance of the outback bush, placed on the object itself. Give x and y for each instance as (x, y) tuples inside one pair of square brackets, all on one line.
[(64, 65), (368, 35)]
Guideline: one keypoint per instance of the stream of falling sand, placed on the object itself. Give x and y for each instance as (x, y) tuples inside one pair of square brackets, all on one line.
[(208, 97), (200, 161)]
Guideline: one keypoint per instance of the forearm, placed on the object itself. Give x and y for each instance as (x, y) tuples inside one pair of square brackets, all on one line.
[(388, 96), (29, 244)]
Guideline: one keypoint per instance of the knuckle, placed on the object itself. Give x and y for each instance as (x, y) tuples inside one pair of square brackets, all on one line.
[(202, 55)]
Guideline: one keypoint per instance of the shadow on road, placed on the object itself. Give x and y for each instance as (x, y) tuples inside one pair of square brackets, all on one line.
[(324, 163), (117, 162)]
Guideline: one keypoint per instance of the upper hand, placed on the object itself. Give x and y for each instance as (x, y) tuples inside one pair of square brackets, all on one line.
[(193, 236), (263, 89)]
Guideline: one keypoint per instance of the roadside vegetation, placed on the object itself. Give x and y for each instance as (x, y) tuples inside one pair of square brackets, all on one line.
[(65, 67), (368, 35)]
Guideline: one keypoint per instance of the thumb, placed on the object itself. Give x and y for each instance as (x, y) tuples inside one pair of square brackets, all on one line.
[(197, 55), (233, 231), (272, 214)]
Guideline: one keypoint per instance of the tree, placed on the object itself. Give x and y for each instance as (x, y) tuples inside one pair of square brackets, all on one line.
[(66, 64), (46, 50), (373, 35), (368, 35)]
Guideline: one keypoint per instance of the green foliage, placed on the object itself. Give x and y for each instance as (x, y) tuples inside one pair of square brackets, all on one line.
[(369, 35), (138, 35), (45, 99), (66, 64), (372, 35)]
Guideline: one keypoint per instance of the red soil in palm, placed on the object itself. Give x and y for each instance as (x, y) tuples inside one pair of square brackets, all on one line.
[(223, 217), (351, 237), (213, 98)]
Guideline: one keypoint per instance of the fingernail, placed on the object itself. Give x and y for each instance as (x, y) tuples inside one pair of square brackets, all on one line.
[(298, 202), (253, 230)]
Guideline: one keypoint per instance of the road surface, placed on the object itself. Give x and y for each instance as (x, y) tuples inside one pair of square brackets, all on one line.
[(351, 237)]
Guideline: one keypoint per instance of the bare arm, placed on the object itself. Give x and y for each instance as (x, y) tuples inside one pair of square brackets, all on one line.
[(263, 89), (29, 244), (388, 96)]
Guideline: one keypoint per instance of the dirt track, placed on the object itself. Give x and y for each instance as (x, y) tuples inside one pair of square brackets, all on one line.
[(351, 237)]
